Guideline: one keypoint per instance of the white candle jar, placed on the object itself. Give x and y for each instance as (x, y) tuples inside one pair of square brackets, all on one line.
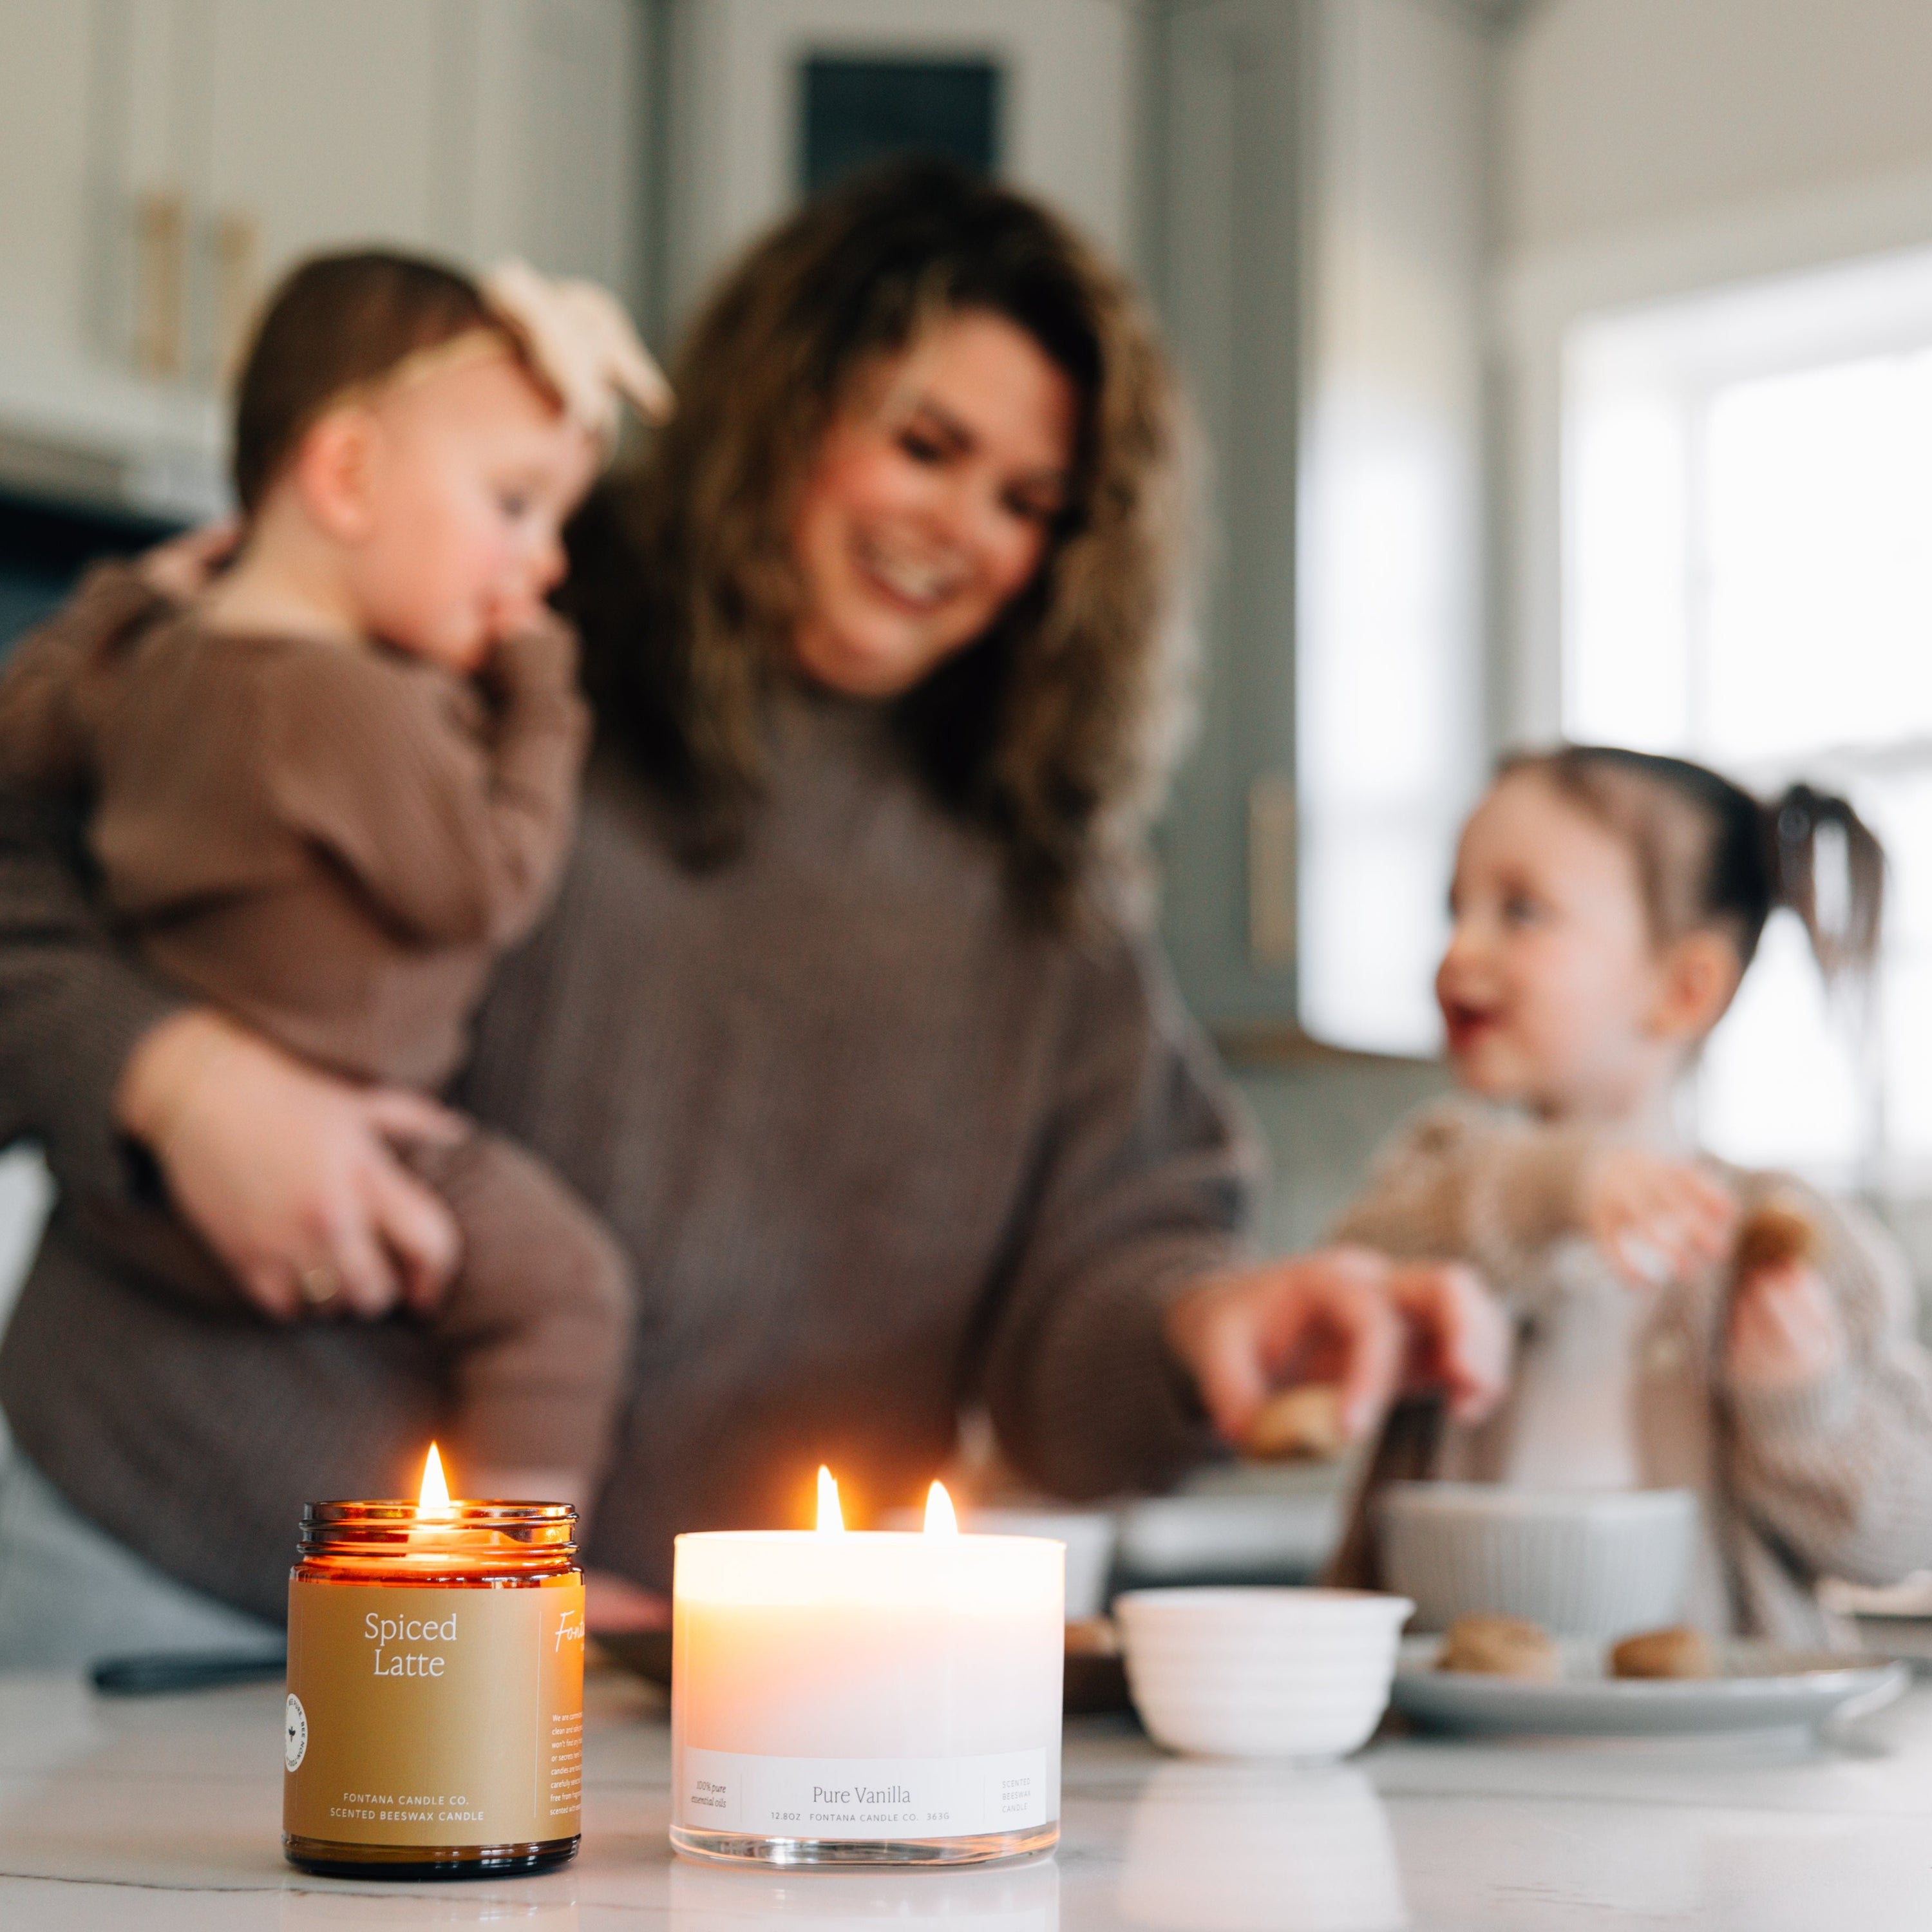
[(866, 1698)]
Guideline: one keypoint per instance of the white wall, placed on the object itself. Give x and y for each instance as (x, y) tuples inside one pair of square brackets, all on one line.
[(1648, 149), (1619, 114)]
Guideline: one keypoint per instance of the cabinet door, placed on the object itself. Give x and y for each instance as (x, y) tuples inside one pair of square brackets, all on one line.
[(1320, 270), (163, 161), (556, 168), (1232, 83), (474, 128), (321, 126), (83, 88), (45, 75)]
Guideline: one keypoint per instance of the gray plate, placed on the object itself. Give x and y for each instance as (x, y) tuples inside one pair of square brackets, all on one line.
[(1762, 1687)]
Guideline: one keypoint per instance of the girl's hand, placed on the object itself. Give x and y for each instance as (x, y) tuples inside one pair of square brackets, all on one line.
[(1656, 1220), (289, 1175), (1785, 1331)]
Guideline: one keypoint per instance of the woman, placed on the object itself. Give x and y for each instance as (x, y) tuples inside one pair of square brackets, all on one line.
[(843, 1019)]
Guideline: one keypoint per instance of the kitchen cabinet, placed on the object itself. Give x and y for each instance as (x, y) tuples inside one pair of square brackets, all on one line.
[(163, 161), (1320, 254)]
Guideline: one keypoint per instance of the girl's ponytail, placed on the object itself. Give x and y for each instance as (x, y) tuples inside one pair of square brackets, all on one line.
[(1741, 859), (1847, 939)]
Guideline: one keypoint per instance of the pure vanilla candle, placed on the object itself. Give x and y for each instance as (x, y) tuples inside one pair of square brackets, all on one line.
[(842, 1696), (434, 1720)]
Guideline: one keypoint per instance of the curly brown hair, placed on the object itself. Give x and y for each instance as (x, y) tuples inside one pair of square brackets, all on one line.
[(1054, 729)]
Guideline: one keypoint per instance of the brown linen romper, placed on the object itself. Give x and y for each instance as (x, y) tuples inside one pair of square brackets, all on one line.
[(334, 843)]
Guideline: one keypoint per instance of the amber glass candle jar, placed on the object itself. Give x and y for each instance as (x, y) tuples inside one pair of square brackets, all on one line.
[(435, 1714)]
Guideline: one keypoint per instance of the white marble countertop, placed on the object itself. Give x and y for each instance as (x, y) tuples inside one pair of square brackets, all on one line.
[(164, 1813)]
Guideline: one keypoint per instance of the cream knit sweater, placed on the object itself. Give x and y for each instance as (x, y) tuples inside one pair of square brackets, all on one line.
[(1833, 1479)]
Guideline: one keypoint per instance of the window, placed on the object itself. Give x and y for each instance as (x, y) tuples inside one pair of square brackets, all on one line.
[(1747, 579), (859, 111), (1389, 690)]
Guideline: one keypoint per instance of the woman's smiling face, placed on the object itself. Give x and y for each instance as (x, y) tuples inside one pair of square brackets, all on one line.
[(930, 505)]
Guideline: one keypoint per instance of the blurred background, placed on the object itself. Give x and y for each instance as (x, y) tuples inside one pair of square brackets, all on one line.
[(1564, 367)]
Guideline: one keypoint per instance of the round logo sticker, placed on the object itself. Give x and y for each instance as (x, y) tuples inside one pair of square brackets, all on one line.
[(295, 1733)]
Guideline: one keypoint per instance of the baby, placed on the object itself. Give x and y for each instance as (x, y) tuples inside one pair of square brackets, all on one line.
[(1607, 904), (327, 795)]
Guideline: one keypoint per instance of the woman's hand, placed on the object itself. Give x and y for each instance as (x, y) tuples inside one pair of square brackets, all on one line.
[(288, 1175), (1344, 1315), (1786, 1332), (1656, 1220)]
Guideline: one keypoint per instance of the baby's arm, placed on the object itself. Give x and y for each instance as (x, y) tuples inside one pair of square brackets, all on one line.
[(1838, 1465), (541, 727), (43, 746), (459, 836)]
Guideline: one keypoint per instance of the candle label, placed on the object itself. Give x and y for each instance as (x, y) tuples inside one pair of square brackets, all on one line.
[(862, 1797), (435, 1717)]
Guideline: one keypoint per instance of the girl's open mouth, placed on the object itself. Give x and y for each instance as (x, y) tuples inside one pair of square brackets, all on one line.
[(1466, 1025)]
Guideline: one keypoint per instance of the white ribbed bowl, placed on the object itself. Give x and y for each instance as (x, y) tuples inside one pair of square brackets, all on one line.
[(1260, 1673), (1090, 1536), (1581, 1563)]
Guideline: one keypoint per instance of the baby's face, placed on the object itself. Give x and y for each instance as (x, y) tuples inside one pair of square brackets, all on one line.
[(472, 472), (1550, 981)]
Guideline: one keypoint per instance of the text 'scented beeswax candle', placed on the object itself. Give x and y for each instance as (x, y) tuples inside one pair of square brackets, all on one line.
[(435, 1715), (844, 1697)]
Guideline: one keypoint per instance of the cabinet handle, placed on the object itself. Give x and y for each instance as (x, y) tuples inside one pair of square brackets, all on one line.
[(238, 249), (160, 233), (1271, 869)]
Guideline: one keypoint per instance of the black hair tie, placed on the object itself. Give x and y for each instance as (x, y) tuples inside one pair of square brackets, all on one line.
[(1797, 816)]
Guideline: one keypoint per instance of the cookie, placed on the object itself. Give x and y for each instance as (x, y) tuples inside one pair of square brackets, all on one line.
[(1500, 1647), (1299, 1424), (1777, 1233), (1092, 1636), (1679, 1651)]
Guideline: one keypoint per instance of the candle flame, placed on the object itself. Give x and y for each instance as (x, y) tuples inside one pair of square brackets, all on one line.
[(830, 1516), (941, 1518), (433, 1502)]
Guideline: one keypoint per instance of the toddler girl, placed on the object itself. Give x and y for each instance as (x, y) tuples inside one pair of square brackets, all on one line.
[(1606, 904), (325, 796)]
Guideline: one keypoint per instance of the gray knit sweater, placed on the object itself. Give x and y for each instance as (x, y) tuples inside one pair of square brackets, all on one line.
[(875, 1148), (1832, 1479)]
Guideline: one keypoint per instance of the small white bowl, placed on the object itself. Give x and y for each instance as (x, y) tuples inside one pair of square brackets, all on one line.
[(1579, 1562), (1238, 1673)]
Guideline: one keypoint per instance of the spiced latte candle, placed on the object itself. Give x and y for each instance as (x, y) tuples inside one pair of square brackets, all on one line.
[(434, 1720)]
